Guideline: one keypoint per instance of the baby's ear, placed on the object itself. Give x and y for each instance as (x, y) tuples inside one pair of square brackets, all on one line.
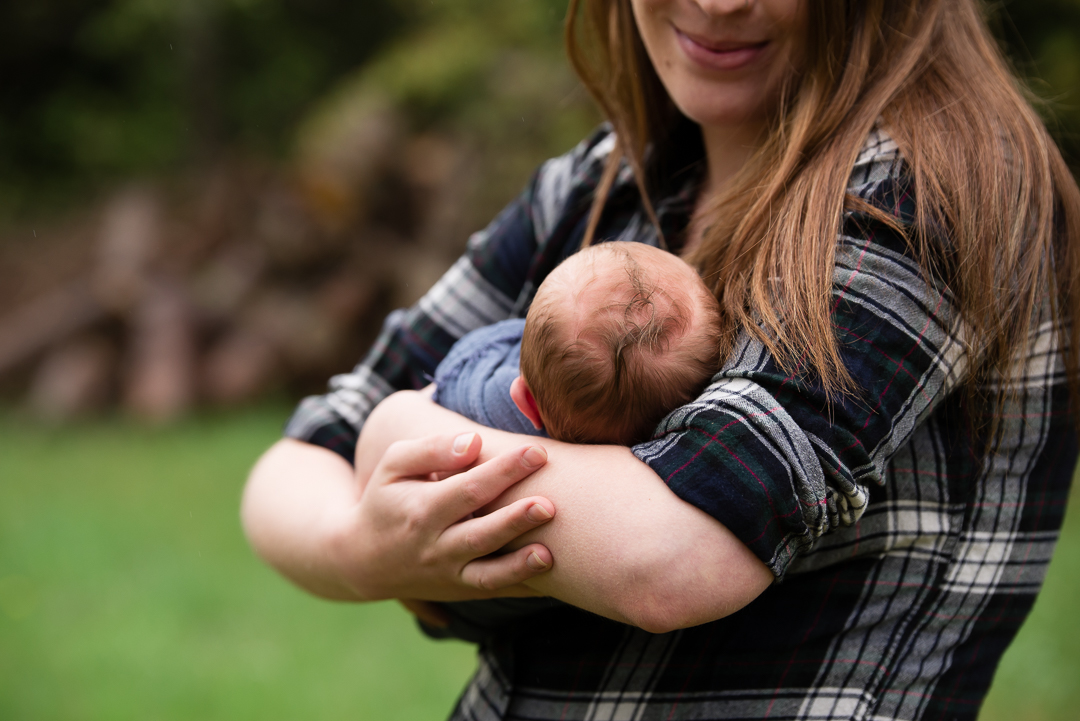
[(523, 399)]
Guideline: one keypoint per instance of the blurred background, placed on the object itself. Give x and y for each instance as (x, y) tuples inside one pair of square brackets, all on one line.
[(206, 209)]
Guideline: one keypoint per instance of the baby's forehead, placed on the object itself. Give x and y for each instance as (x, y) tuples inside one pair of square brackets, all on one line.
[(610, 276), (588, 274), (617, 264), (587, 265)]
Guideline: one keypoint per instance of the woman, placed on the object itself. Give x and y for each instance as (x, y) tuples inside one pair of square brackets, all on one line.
[(893, 239)]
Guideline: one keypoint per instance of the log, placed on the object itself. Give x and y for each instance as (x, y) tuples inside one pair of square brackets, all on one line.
[(74, 379), (32, 329), (160, 384), (239, 368), (129, 243)]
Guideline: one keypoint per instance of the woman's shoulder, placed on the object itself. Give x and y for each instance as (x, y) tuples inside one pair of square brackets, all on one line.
[(878, 162), (582, 164), (881, 178), (570, 180)]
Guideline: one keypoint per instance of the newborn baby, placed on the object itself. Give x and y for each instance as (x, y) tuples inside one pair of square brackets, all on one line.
[(618, 335)]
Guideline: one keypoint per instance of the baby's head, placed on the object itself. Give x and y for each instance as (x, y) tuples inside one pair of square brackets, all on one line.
[(619, 335)]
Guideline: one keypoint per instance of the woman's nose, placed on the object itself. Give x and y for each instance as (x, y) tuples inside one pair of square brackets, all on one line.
[(715, 8)]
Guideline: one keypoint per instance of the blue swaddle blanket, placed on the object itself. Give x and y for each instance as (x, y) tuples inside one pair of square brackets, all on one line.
[(474, 380)]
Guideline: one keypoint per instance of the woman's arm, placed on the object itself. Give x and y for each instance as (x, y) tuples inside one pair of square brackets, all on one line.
[(284, 504), (624, 546), (305, 515)]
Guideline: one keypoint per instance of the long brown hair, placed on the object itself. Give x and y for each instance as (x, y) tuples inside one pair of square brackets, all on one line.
[(988, 181)]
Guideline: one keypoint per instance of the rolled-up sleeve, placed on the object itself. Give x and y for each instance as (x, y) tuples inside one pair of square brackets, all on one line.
[(773, 457)]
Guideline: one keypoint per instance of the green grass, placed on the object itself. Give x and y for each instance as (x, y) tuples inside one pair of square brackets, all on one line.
[(1039, 676), (128, 592)]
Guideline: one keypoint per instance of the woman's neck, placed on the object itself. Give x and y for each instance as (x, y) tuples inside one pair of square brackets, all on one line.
[(727, 148)]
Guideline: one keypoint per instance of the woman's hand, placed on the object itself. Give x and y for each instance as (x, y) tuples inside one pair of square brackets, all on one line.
[(413, 536), (406, 535)]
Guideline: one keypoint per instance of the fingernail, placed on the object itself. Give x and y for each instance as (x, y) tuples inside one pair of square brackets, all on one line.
[(535, 562), (534, 457), (538, 513), (463, 441)]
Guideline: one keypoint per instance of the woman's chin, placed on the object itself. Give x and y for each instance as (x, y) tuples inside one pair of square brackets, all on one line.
[(731, 118)]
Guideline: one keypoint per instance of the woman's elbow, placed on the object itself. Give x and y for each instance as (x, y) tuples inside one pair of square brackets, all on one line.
[(669, 603), (663, 614), (657, 616)]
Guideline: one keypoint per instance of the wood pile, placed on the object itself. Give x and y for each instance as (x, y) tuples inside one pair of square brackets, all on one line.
[(242, 279), (234, 283)]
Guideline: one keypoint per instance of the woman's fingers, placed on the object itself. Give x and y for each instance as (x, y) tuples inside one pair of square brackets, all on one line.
[(433, 454), (466, 492), (487, 534), (424, 540), (496, 573)]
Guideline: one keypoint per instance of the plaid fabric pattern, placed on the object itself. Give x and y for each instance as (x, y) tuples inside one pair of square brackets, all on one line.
[(906, 560)]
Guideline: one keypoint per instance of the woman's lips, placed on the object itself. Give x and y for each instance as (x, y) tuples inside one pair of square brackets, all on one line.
[(719, 55)]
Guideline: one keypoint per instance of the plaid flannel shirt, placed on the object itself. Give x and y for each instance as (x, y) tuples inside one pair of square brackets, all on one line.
[(906, 560)]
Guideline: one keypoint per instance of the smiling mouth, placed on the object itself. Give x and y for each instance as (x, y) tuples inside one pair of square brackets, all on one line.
[(719, 55), (721, 47)]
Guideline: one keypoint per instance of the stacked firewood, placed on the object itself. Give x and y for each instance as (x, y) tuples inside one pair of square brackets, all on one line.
[(241, 279), (237, 282)]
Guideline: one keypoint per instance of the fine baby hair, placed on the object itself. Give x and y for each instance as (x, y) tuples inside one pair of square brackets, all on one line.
[(618, 335)]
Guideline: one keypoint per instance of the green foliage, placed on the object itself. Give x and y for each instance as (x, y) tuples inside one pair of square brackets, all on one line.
[(98, 89), (492, 80), (466, 60), (1043, 39)]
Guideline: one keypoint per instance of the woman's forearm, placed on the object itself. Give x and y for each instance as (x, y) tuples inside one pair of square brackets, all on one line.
[(284, 513), (624, 546)]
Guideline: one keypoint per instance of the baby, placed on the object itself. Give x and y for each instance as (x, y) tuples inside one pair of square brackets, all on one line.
[(618, 335)]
